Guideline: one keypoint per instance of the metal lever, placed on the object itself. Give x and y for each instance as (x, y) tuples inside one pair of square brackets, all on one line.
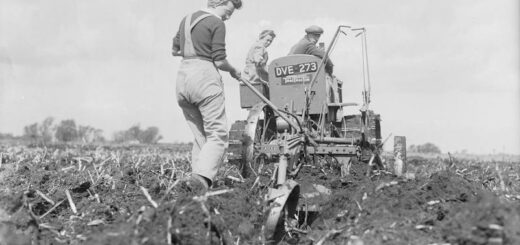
[(269, 103)]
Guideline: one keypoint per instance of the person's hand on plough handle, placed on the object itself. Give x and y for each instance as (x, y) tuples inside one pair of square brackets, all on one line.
[(224, 65), (236, 74), (176, 53)]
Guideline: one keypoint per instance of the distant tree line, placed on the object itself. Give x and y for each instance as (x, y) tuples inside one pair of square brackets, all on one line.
[(8, 136), (67, 130), (149, 135), (424, 148)]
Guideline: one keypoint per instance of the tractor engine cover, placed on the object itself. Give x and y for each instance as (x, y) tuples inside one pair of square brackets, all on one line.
[(289, 75)]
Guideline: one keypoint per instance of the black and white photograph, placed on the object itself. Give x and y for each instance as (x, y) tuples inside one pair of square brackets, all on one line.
[(260, 122)]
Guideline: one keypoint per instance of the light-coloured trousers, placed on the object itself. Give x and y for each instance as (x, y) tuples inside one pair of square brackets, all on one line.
[(200, 94)]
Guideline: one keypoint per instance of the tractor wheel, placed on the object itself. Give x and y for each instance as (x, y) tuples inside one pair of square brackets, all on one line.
[(260, 129)]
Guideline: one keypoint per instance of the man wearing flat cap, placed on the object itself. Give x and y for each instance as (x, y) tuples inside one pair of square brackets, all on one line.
[(307, 45)]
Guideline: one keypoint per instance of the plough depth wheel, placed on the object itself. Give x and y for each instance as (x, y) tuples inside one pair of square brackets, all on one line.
[(283, 203)]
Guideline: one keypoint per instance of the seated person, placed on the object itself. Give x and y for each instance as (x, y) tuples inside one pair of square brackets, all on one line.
[(307, 45)]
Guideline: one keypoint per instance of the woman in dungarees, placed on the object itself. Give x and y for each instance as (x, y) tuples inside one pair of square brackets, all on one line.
[(200, 90)]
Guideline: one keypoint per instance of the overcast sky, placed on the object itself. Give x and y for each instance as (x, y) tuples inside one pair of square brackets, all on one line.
[(446, 72)]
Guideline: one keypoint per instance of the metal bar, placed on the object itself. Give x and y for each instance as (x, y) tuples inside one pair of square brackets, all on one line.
[(309, 96), (366, 66), (270, 104), (335, 140), (324, 59), (282, 170), (332, 150), (321, 122), (326, 55)]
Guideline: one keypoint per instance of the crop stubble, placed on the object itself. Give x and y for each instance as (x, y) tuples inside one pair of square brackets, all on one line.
[(114, 188)]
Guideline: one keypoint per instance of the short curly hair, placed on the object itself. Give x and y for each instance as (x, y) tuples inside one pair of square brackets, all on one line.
[(266, 33), (215, 3)]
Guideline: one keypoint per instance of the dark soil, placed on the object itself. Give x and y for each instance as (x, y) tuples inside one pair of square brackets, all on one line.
[(446, 206)]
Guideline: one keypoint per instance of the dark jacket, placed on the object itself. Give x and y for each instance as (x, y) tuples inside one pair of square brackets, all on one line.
[(306, 46)]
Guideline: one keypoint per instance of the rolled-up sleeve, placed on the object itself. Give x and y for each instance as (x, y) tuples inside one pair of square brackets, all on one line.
[(218, 43)]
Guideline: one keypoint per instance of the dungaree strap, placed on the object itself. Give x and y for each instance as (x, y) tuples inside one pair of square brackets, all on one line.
[(189, 50)]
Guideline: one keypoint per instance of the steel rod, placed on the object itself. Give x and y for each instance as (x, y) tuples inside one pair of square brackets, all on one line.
[(309, 95), (335, 140), (282, 170), (270, 104)]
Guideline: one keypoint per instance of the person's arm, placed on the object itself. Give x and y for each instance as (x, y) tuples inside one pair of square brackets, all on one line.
[(258, 55), (261, 58), (218, 47), (224, 65)]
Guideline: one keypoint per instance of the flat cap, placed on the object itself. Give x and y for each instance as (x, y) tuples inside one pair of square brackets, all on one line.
[(314, 30)]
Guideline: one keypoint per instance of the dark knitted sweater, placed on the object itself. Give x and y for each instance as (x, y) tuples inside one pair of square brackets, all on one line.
[(208, 37)]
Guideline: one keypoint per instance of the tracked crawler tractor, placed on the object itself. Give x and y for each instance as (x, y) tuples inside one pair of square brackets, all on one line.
[(296, 121)]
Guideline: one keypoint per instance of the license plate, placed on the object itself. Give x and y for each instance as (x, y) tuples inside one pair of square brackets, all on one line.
[(283, 71)]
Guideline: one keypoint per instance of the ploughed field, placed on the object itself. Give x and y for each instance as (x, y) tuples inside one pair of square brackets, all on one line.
[(130, 195)]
